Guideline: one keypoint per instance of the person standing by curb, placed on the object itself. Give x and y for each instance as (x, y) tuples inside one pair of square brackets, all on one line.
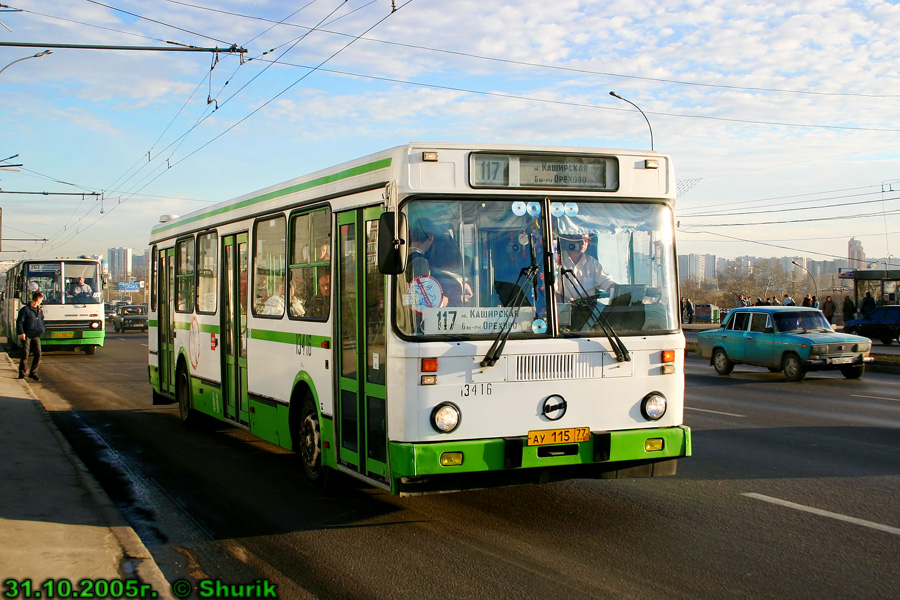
[(30, 328)]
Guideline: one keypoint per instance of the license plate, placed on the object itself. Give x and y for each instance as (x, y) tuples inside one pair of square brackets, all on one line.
[(572, 435), (843, 360), (64, 334)]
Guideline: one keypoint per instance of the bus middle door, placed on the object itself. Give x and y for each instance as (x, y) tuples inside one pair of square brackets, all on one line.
[(235, 260), (361, 353), (166, 324)]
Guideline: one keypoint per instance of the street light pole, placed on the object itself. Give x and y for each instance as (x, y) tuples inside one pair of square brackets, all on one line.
[(38, 55), (615, 95), (816, 285)]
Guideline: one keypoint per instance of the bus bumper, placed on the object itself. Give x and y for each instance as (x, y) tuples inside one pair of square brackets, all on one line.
[(418, 468)]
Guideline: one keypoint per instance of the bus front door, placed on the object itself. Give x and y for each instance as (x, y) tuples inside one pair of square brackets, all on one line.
[(360, 350), (166, 324), (234, 333)]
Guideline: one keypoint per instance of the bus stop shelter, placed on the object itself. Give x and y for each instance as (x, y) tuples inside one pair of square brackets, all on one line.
[(884, 285)]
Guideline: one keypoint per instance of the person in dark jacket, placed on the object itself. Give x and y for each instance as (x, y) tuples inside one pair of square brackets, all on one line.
[(829, 308), (867, 305), (849, 308), (30, 328)]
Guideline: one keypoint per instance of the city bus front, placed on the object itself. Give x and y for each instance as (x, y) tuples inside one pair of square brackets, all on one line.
[(73, 302), (535, 339)]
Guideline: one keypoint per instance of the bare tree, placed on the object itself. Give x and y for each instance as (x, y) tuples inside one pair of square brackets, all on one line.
[(734, 283)]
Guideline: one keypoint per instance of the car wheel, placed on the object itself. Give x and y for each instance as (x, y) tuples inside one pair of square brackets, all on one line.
[(853, 371), (308, 446), (793, 368), (721, 362), (887, 341)]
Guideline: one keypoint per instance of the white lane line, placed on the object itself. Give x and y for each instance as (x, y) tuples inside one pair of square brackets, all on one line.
[(715, 412), (825, 513), (875, 397)]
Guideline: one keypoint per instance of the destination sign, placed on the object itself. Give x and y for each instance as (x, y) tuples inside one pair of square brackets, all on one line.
[(569, 172), (545, 172), (460, 320)]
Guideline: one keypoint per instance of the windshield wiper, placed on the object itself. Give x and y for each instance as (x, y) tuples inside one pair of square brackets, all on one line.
[(526, 275), (618, 346)]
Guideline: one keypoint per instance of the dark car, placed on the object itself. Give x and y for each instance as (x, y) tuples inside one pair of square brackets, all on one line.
[(883, 324), (133, 316), (790, 339)]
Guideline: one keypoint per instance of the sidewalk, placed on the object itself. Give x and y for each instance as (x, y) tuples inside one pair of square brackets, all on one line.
[(55, 520)]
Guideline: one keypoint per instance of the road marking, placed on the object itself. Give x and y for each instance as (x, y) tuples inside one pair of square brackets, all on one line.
[(715, 412), (825, 513), (875, 397)]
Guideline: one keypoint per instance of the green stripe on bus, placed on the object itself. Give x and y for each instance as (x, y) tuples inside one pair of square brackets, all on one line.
[(294, 339), (153, 323), (360, 170), (186, 325)]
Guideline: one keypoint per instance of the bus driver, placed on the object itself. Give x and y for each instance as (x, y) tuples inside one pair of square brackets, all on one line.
[(586, 269)]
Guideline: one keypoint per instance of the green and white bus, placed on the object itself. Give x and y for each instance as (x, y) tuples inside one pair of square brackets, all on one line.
[(73, 311), (435, 317)]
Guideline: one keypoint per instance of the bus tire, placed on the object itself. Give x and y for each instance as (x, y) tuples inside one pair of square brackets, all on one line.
[(308, 446), (90, 350), (186, 412)]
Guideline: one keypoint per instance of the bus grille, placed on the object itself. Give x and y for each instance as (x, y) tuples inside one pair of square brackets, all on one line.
[(549, 367), (67, 325)]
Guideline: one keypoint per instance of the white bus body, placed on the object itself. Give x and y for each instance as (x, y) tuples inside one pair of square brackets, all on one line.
[(503, 353)]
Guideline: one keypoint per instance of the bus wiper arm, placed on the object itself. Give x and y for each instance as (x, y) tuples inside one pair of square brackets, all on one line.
[(526, 275), (618, 346)]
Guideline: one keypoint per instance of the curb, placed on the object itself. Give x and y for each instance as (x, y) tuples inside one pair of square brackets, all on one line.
[(137, 561)]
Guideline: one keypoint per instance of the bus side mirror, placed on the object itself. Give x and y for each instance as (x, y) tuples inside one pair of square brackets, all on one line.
[(391, 244)]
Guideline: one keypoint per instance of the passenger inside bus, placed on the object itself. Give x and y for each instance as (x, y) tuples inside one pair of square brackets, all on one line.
[(275, 303), (317, 306), (446, 266)]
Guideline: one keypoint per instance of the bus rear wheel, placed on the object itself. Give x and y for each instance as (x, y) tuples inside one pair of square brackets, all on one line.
[(308, 446)]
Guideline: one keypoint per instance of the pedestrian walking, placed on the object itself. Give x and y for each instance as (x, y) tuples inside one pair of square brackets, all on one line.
[(815, 302), (689, 306), (30, 328)]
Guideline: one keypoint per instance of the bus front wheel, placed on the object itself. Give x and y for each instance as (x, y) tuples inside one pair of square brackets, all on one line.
[(90, 350), (308, 446)]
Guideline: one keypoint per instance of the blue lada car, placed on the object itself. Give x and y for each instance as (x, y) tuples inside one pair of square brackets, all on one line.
[(790, 339)]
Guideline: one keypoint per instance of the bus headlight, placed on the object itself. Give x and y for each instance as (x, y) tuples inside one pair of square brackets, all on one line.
[(445, 417), (653, 406), (95, 324)]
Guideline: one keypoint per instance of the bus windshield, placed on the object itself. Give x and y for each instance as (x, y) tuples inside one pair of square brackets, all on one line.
[(64, 283), (477, 267)]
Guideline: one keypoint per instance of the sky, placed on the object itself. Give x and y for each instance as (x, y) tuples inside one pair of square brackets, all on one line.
[(782, 118)]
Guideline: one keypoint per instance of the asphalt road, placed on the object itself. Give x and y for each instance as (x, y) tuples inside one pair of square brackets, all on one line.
[(791, 493)]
